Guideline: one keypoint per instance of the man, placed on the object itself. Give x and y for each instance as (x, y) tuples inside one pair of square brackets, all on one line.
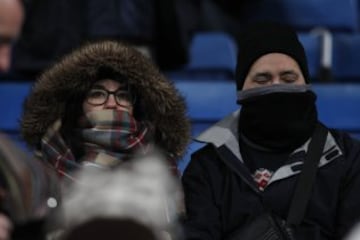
[(251, 161), (11, 18)]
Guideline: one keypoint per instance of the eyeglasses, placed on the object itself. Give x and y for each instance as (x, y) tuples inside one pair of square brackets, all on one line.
[(100, 96)]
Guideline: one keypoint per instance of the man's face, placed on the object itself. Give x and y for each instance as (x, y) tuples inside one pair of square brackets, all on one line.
[(11, 18), (273, 68)]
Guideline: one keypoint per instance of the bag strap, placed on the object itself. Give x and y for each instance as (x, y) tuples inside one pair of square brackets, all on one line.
[(307, 176)]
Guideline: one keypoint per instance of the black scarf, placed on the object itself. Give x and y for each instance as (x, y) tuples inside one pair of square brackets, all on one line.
[(278, 118)]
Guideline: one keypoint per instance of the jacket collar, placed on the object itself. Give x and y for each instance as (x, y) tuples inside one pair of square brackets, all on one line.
[(225, 133)]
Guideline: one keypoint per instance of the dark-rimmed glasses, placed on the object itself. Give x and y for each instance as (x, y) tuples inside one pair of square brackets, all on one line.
[(98, 96)]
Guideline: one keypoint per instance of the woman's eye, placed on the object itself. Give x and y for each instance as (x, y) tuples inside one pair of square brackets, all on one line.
[(123, 96), (97, 94)]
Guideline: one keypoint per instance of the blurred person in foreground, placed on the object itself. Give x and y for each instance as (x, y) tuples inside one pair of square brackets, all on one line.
[(254, 157), (354, 234), (28, 193), (137, 200), (11, 19), (25, 187)]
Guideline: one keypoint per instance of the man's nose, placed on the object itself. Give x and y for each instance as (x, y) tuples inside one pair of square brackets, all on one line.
[(276, 80), (5, 58)]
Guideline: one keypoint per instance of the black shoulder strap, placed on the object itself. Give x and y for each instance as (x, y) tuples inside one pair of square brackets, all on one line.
[(307, 176)]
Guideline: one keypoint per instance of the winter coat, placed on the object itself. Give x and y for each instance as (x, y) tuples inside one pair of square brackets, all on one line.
[(66, 83), (221, 195)]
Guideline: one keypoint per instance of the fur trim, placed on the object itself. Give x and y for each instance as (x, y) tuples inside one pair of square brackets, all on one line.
[(74, 75)]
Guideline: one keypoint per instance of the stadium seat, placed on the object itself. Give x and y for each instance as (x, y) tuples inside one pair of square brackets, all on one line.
[(335, 15), (338, 106), (346, 58), (12, 95), (312, 46), (208, 101), (212, 54)]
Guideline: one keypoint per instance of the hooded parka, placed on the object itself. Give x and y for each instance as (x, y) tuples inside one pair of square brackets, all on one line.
[(65, 84)]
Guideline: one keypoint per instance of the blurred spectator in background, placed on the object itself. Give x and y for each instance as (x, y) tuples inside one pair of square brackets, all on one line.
[(26, 189), (153, 26), (228, 16), (11, 19)]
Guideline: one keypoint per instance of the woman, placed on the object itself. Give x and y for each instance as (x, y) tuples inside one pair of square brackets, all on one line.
[(99, 106)]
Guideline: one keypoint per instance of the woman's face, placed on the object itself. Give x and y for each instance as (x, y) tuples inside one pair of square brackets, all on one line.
[(108, 94)]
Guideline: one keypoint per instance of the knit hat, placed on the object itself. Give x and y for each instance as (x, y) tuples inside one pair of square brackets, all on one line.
[(268, 37)]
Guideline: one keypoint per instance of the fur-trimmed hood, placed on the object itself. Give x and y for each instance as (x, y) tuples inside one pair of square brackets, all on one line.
[(74, 75)]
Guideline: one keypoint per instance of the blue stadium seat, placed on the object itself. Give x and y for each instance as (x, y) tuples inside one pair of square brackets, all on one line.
[(346, 58), (209, 101), (338, 106), (212, 54), (12, 95), (312, 46), (335, 15)]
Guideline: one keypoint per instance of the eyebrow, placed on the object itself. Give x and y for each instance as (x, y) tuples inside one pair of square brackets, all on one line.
[(289, 72), (267, 74), (98, 86), (262, 74)]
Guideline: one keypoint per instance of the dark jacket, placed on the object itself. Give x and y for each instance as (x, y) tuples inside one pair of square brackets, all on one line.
[(221, 195), (60, 91), (25, 186)]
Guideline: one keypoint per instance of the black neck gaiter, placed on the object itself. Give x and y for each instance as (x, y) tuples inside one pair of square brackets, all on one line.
[(278, 121)]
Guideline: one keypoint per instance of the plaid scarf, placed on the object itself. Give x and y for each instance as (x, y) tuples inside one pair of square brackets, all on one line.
[(108, 137)]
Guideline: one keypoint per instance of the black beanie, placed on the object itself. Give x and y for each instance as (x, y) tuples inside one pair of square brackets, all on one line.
[(262, 38)]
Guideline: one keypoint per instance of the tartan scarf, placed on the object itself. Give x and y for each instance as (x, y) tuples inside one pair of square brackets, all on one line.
[(107, 136)]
